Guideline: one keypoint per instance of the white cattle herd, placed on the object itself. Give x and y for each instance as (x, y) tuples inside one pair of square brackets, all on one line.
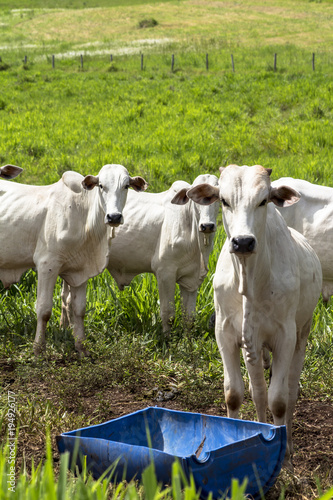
[(267, 281)]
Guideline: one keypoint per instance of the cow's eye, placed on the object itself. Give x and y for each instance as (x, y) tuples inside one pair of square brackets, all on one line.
[(224, 203), (263, 203), (101, 186), (127, 186)]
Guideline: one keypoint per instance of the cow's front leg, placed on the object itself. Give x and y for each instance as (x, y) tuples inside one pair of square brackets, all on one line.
[(294, 376), (278, 391), (189, 300), (166, 287), (78, 303), (45, 287), (66, 309), (258, 388), (230, 353)]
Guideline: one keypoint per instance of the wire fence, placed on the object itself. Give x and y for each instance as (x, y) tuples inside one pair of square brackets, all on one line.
[(233, 62)]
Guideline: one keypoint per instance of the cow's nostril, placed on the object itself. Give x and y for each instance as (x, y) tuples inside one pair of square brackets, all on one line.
[(207, 228), (243, 245), (114, 218)]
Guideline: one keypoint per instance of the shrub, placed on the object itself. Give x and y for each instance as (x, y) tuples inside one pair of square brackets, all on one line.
[(147, 23)]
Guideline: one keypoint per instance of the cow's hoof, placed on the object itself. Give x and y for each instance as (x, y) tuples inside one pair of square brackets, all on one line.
[(287, 464), (39, 348), (82, 352)]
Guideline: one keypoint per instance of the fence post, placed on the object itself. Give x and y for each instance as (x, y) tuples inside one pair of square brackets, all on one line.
[(313, 61), (53, 61), (81, 61), (141, 62), (25, 59), (172, 61), (207, 62), (232, 63), (275, 57)]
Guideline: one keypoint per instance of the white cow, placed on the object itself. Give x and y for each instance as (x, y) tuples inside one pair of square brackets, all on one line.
[(10, 171), (313, 217), (61, 230), (266, 286), (173, 242)]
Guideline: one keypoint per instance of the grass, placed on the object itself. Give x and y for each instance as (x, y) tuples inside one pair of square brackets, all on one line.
[(75, 485), (163, 125), (251, 23)]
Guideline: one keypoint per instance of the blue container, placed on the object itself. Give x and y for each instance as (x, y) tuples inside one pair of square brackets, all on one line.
[(213, 449)]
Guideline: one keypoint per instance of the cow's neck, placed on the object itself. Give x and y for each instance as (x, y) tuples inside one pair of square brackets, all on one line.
[(252, 272), (95, 225), (97, 232), (204, 241)]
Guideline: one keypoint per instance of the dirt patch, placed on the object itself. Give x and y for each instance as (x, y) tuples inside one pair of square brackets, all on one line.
[(313, 435)]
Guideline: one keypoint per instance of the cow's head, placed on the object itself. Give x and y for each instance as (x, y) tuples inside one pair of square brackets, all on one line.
[(113, 182), (244, 193), (207, 212), (10, 171)]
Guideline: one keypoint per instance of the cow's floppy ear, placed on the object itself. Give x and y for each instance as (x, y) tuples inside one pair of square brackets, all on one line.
[(204, 194), (89, 182), (73, 180), (284, 196), (180, 197), (10, 171), (138, 183)]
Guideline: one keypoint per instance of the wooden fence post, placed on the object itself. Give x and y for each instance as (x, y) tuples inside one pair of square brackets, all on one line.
[(25, 59), (207, 62), (313, 61), (232, 63), (81, 61), (275, 57), (111, 59), (53, 61), (172, 62), (141, 62)]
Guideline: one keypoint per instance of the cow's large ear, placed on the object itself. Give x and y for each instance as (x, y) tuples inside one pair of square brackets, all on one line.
[(204, 194), (10, 171), (180, 197), (138, 183), (284, 196), (89, 182), (73, 180)]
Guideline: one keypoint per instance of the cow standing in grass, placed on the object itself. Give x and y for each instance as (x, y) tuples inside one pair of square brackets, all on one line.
[(173, 242), (61, 230), (266, 286)]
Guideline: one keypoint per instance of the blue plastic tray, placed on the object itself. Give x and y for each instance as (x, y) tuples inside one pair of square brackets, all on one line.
[(213, 449)]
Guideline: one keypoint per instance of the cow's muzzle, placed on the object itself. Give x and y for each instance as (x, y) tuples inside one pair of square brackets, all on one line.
[(207, 228), (244, 245), (114, 219)]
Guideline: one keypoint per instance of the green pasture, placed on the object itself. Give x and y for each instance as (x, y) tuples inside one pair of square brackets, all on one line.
[(76, 24), (165, 124)]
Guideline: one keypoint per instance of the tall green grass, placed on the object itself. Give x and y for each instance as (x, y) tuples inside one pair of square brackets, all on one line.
[(165, 125), (42, 484)]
